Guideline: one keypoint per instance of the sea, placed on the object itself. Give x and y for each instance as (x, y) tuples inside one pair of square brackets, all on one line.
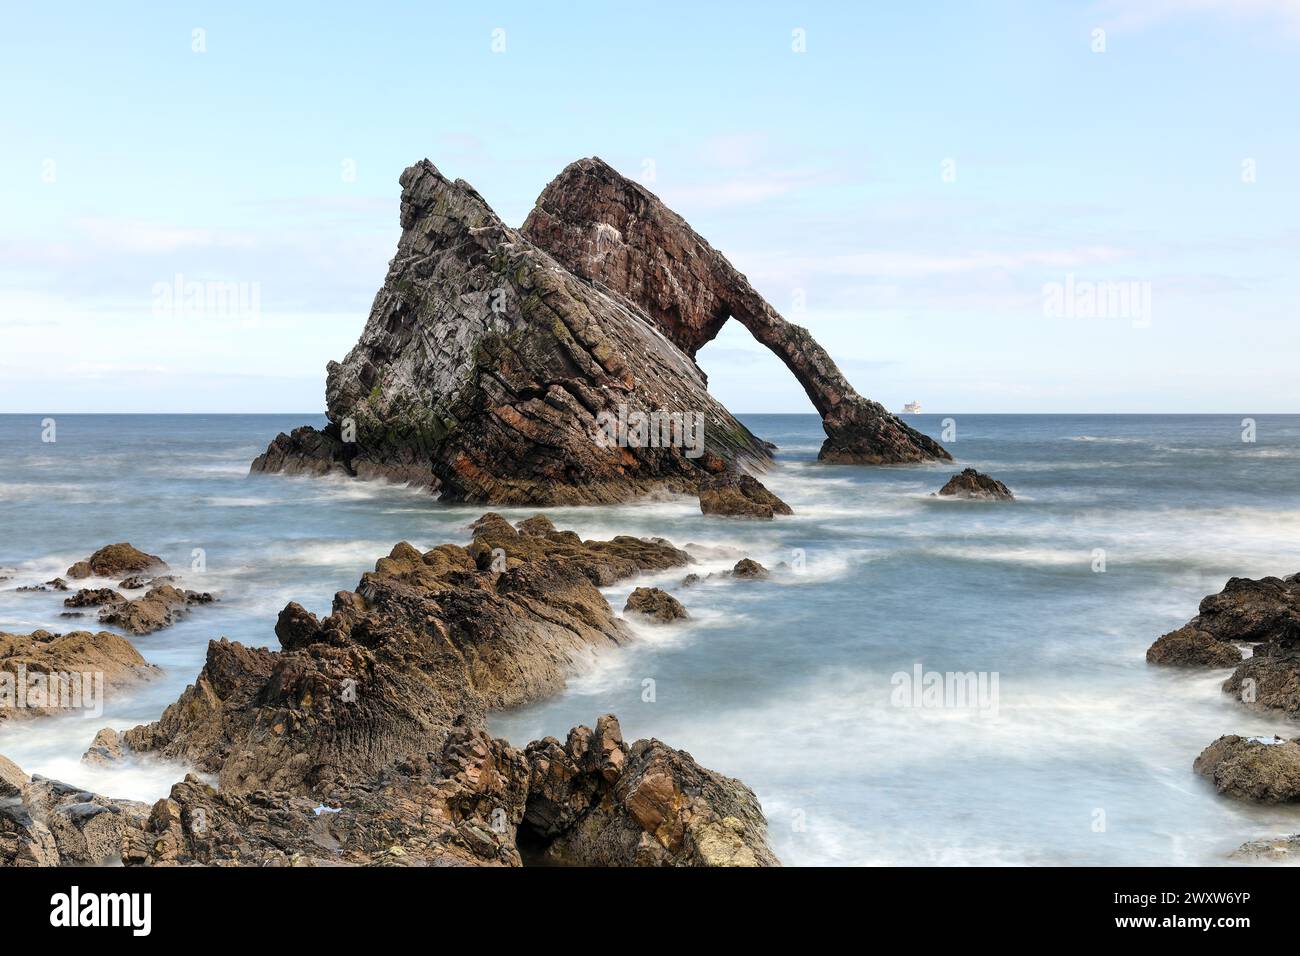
[(919, 681)]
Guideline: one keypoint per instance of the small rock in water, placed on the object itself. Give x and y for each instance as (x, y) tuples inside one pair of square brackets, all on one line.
[(105, 749), (93, 597), (116, 559), (655, 603), (969, 483), (749, 568), (739, 496)]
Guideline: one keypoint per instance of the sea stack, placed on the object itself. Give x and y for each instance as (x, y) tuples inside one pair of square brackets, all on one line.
[(555, 365)]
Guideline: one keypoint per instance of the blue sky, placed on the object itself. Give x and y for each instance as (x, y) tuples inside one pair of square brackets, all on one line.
[(908, 187)]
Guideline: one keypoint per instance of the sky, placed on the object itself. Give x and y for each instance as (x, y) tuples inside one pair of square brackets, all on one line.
[(980, 205)]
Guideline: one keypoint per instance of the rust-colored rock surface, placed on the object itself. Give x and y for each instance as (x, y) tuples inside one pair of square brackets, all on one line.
[(617, 234)]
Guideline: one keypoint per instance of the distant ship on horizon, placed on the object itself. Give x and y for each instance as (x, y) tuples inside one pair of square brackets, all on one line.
[(912, 408)]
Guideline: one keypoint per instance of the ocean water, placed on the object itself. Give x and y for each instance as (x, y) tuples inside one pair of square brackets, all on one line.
[(1082, 755)]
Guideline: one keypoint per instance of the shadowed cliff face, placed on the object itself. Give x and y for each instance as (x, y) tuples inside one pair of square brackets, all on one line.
[(612, 231), (489, 371)]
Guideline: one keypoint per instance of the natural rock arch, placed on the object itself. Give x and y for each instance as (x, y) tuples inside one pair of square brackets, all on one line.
[(615, 233)]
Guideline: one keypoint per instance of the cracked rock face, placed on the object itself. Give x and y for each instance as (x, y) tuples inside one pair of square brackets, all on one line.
[(491, 372), (425, 642), (614, 232)]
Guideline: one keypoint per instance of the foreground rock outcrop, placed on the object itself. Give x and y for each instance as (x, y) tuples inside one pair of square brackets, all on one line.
[(616, 233), (45, 673), (361, 740), (969, 483), (426, 642), (477, 801), (45, 822)]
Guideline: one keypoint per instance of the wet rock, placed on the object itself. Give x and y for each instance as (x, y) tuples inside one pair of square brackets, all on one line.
[(161, 606), (1281, 850), (88, 829), (655, 604), (489, 371), (739, 496), (1265, 770), (57, 584), (603, 562), (649, 806), (1265, 612), (93, 597), (1191, 647), (616, 234), (1269, 679), (747, 568), (24, 841), (42, 673), (425, 641), (969, 483), (115, 560), (135, 582), (1249, 610), (12, 778), (475, 801), (105, 750), (297, 627)]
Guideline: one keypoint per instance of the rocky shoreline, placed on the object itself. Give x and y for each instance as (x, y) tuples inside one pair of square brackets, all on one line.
[(361, 740), (1252, 626)]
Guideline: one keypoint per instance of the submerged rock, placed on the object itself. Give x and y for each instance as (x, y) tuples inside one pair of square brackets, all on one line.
[(115, 560), (655, 603), (969, 483), (619, 236), (490, 372), (1266, 770), (739, 496)]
